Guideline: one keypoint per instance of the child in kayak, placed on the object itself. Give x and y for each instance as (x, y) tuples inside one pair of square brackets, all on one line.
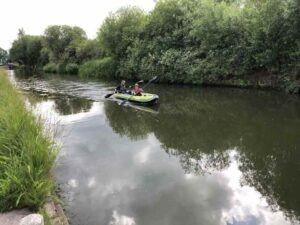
[(122, 87), (137, 90)]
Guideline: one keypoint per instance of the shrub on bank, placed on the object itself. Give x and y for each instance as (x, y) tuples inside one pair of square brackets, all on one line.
[(100, 68), (26, 154), (72, 68), (50, 68), (61, 68)]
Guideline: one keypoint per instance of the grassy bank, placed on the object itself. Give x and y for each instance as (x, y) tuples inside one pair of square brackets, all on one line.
[(26, 154)]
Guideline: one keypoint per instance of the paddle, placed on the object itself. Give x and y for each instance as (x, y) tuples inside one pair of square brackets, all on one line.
[(125, 101), (154, 78), (110, 94)]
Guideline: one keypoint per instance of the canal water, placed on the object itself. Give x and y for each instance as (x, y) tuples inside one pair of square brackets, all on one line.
[(211, 156)]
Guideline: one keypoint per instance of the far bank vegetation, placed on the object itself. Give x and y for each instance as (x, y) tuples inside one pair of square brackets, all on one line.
[(239, 42)]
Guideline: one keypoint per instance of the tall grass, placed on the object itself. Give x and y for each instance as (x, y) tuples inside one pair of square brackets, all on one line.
[(99, 68), (27, 155), (72, 68), (50, 68)]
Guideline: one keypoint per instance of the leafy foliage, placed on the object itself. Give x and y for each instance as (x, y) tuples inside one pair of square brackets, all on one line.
[(26, 50), (72, 68), (101, 68), (62, 42), (50, 68), (120, 29), (188, 41), (87, 50), (3, 56), (207, 41)]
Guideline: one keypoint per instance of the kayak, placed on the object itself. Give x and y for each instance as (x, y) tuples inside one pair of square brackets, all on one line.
[(145, 98)]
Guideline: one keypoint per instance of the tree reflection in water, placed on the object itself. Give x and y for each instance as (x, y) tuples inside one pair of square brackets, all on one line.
[(199, 127), (63, 104), (127, 121), (67, 105)]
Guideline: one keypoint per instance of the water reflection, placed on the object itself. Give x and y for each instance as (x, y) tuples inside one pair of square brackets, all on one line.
[(62, 104), (263, 126), (128, 121), (206, 156), (67, 105), (276, 176)]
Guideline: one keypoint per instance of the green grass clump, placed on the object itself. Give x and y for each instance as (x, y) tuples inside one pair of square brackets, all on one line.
[(72, 68), (27, 155), (99, 68), (50, 68)]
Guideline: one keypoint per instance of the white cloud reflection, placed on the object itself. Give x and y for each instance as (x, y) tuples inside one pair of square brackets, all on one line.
[(73, 183), (46, 109), (159, 188), (143, 155), (118, 219), (248, 204)]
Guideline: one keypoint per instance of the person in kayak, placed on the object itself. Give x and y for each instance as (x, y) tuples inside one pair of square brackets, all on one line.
[(121, 88), (137, 90)]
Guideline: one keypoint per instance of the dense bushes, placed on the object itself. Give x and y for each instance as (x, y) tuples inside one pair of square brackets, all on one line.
[(100, 68), (26, 51), (50, 68), (3, 56), (62, 42), (52, 52), (26, 154), (72, 68), (187, 41), (208, 41)]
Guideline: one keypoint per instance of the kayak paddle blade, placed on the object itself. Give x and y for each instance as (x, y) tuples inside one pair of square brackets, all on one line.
[(108, 95)]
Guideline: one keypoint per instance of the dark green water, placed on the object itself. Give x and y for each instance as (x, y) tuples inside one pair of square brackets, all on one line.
[(203, 156)]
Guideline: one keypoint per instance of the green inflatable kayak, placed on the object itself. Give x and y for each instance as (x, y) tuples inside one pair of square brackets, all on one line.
[(145, 98)]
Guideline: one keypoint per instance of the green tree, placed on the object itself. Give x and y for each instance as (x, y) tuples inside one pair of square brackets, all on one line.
[(187, 41), (118, 32), (120, 29), (165, 47), (26, 51), (87, 50), (62, 42), (271, 33), (219, 34), (3, 56)]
